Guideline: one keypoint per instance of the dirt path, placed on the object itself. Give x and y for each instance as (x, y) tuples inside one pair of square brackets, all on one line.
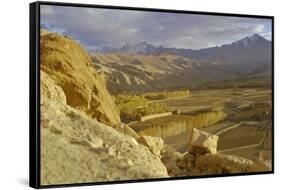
[(168, 99), (228, 129)]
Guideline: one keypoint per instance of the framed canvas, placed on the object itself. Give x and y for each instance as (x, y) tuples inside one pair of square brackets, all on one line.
[(123, 94)]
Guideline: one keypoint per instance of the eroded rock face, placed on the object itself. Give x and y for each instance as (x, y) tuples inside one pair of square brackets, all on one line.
[(67, 63), (50, 90), (225, 164), (75, 148), (202, 142), (155, 144)]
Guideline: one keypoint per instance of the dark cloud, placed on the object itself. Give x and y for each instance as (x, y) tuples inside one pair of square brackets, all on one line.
[(98, 27)]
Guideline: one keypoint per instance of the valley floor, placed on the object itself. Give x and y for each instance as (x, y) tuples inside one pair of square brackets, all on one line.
[(246, 131)]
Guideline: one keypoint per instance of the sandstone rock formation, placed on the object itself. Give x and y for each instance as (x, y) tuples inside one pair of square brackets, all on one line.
[(50, 90), (202, 142), (75, 146), (70, 67), (155, 144), (76, 149)]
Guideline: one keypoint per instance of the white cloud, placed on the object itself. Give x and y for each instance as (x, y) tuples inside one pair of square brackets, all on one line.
[(267, 35), (133, 30), (97, 27), (259, 28)]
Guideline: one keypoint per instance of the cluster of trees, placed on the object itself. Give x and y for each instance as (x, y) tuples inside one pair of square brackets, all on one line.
[(132, 107), (166, 95)]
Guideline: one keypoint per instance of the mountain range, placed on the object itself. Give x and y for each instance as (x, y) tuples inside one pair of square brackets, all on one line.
[(244, 56), (144, 67)]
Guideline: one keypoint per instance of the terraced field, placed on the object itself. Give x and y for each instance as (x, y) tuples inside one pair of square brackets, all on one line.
[(245, 131)]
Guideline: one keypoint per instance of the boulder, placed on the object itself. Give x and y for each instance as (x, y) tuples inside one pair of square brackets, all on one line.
[(187, 161), (265, 156), (172, 161), (225, 164), (202, 142), (78, 149), (155, 144), (70, 67)]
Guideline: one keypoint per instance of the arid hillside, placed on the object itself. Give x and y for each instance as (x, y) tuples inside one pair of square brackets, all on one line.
[(82, 136), (144, 73)]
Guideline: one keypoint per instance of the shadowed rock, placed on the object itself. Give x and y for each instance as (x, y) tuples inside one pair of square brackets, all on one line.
[(202, 142), (171, 159)]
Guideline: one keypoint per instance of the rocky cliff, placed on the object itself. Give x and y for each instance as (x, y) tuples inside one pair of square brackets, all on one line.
[(65, 63), (82, 139), (77, 149)]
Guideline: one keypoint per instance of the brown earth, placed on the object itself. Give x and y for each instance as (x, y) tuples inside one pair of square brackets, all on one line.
[(68, 65)]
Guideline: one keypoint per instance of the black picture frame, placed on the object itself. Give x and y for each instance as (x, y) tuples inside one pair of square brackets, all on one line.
[(34, 91)]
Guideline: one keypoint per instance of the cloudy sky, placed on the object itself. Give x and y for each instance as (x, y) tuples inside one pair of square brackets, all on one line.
[(106, 27)]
